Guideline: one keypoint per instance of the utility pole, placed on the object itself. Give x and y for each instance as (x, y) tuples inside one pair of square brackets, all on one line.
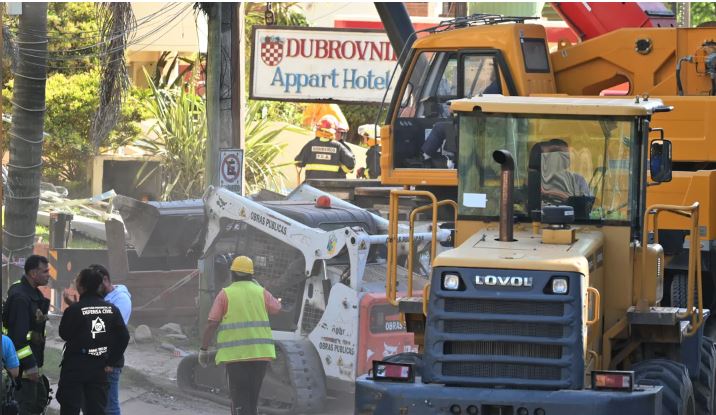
[(225, 105), (213, 93)]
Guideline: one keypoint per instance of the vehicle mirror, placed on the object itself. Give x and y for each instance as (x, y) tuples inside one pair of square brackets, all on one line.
[(406, 95), (660, 161)]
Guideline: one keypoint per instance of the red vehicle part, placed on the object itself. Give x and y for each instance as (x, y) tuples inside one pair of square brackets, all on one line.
[(591, 19), (381, 332)]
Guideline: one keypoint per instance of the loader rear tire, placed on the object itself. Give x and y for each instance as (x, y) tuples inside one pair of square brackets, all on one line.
[(704, 383), (677, 391)]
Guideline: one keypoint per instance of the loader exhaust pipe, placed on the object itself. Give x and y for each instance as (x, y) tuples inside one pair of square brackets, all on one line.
[(504, 159)]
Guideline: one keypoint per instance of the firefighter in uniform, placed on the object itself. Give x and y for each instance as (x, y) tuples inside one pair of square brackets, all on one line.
[(244, 341), (371, 138), (24, 318), (323, 157), (96, 338)]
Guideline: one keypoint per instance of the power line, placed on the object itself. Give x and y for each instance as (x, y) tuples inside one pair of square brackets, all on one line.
[(158, 26), (97, 55)]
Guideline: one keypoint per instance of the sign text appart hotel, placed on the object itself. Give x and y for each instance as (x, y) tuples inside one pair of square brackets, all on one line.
[(320, 64)]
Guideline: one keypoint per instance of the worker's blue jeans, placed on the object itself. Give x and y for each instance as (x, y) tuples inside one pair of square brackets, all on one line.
[(113, 396)]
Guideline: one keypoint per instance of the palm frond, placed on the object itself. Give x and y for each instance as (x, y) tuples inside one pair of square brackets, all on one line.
[(117, 24)]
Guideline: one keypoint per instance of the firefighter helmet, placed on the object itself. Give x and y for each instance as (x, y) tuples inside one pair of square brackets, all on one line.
[(243, 264), (327, 127)]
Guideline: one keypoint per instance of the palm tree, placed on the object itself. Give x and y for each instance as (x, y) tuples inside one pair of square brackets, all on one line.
[(26, 132)]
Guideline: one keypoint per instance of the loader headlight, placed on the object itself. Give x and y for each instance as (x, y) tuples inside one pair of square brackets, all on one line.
[(560, 285), (451, 282)]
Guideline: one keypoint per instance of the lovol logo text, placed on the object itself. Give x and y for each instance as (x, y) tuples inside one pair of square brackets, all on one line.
[(493, 280)]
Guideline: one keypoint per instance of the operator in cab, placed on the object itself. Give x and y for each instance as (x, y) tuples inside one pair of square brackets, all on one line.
[(324, 157)]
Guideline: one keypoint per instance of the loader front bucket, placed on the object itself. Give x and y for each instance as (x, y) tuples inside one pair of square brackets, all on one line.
[(161, 229)]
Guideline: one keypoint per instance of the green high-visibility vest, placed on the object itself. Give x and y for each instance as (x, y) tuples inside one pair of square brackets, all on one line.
[(244, 332)]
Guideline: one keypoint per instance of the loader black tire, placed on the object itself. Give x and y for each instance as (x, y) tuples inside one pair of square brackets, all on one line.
[(704, 383), (677, 394)]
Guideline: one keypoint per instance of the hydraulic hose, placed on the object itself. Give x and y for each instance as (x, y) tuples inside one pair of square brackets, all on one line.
[(679, 86)]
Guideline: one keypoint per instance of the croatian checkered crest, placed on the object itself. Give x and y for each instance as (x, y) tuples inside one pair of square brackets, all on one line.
[(272, 50)]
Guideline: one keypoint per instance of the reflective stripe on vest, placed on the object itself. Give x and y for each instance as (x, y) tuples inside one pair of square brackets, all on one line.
[(244, 332), (28, 336), (24, 352), (322, 167)]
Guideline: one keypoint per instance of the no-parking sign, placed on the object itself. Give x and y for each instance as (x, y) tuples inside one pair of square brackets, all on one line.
[(231, 169)]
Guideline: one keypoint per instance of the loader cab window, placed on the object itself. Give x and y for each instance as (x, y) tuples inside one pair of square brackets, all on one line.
[(582, 161), (425, 134)]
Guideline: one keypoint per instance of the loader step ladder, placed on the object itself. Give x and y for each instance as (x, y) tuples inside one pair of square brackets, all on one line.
[(412, 308)]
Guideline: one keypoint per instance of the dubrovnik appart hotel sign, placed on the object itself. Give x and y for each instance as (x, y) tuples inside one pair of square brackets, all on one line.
[(320, 64)]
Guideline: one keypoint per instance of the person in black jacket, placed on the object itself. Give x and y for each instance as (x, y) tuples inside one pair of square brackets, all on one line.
[(24, 318), (96, 338), (324, 157)]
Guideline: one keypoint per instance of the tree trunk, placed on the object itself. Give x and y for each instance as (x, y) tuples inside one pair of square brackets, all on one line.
[(26, 133)]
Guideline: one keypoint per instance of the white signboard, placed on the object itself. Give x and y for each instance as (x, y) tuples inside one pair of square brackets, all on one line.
[(321, 64), (231, 169)]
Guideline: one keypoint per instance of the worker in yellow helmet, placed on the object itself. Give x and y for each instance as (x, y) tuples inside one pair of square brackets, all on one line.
[(244, 341)]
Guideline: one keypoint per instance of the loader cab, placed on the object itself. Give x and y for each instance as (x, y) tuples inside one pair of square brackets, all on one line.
[(569, 156), (420, 136)]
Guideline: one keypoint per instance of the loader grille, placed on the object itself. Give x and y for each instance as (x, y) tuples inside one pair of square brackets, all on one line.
[(491, 336)]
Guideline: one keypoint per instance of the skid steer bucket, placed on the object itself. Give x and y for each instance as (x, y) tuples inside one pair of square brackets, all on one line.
[(161, 229)]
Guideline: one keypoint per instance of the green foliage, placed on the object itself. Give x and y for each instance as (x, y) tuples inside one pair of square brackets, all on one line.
[(702, 12), (181, 132), (180, 142), (73, 32), (71, 102), (357, 115), (261, 150)]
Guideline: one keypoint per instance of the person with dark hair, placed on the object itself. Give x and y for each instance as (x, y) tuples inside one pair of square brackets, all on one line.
[(119, 296), (95, 339), (24, 317), (245, 344)]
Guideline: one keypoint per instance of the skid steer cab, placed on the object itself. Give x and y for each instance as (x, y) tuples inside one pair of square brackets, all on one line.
[(550, 303)]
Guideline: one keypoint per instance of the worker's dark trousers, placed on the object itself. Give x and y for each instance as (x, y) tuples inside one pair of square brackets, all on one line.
[(245, 380), (88, 393)]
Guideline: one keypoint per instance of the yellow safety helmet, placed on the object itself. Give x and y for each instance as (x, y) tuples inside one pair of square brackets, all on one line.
[(243, 264)]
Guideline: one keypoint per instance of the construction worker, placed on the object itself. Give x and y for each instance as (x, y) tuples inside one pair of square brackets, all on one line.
[(323, 157), (371, 138), (244, 341), (95, 339), (24, 318)]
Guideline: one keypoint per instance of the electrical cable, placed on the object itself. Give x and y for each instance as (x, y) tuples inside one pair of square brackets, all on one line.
[(99, 55), (159, 26), (97, 33)]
